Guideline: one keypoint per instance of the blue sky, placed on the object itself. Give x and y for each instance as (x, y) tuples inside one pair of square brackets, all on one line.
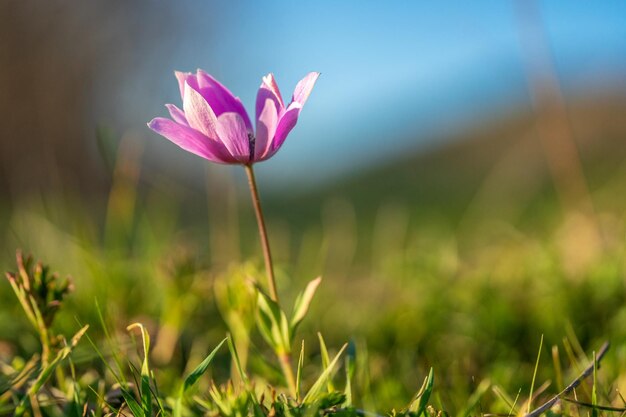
[(394, 78)]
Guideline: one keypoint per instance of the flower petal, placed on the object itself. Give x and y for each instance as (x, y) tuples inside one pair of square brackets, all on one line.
[(182, 77), (177, 114), (304, 87), (199, 114), (233, 133), (289, 118), (269, 90), (285, 124), (191, 140), (220, 98), (265, 129)]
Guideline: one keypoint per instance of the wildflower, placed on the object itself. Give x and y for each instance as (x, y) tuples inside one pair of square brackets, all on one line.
[(214, 124)]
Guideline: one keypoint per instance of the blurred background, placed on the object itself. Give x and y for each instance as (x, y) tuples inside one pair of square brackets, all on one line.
[(457, 175)]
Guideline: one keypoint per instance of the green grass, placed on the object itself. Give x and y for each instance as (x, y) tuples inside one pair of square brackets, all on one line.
[(409, 292)]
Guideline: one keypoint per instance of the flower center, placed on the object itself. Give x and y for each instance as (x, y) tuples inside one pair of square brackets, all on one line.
[(251, 142)]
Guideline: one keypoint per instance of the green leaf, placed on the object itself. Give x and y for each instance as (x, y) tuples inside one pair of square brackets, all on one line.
[(242, 373), (299, 372), (318, 386), (45, 374), (303, 301), (350, 370), (424, 394), (325, 360), (193, 377), (272, 323), (419, 403), (532, 384), (240, 370), (134, 406), (146, 393)]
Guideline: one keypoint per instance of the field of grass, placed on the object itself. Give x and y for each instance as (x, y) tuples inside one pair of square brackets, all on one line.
[(498, 308)]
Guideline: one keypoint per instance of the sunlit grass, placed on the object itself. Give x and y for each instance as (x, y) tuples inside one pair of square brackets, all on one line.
[(472, 303)]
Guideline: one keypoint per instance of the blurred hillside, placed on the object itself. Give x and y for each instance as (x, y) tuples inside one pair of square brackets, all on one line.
[(495, 171), (68, 69)]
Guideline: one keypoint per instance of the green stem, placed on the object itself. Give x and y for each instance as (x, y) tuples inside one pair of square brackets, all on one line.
[(283, 358), (265, 244), (45, 347), (285, 365)]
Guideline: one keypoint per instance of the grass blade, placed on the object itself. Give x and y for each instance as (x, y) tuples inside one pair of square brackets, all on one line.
[(318, 386), (594, 390), (350, 370), (193, 377), (419, 403), (325, 360), (146, 393), (299, 372), (532, 384), (303, 302), (47, 372)]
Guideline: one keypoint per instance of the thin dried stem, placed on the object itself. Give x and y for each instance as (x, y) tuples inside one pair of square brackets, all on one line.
[(556, 135), (546, 406)]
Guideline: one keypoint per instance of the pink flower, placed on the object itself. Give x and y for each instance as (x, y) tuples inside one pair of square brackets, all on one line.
[(214, 124)]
